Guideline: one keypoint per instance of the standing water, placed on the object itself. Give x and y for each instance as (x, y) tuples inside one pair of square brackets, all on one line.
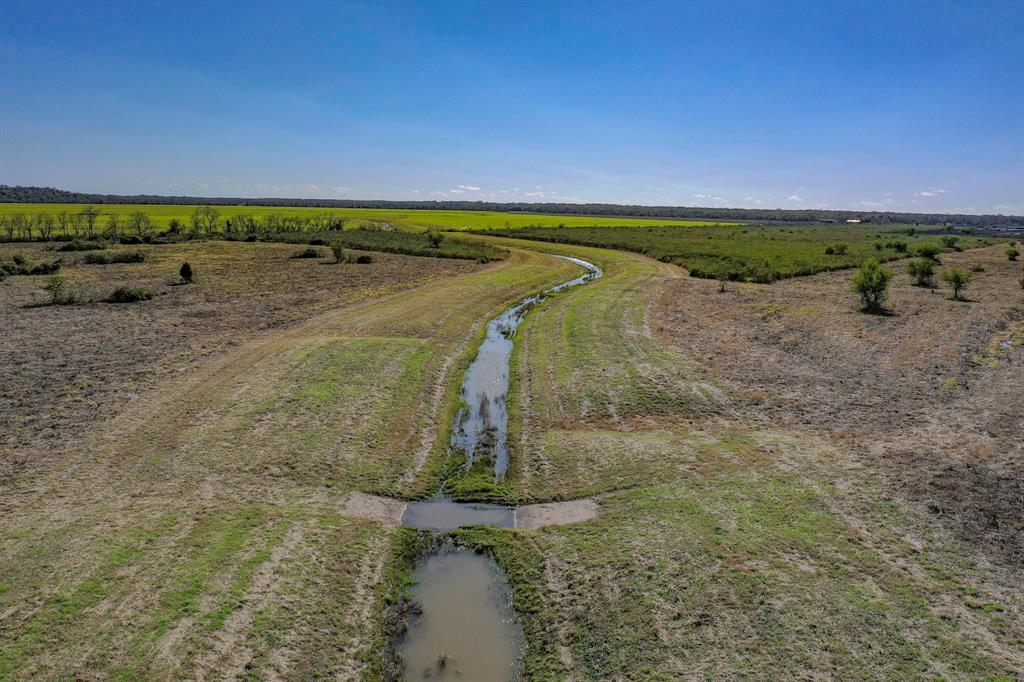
[(467, 628), (482, 425)]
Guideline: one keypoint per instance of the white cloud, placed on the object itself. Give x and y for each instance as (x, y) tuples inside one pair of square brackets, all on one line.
[(927, 194), (340, 189), (456, 191), (535, 194), (469, 188), (793, 197), (930, 192)]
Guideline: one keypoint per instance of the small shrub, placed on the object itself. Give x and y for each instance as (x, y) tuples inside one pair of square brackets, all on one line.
[(929, 251), (132, 239), (79, 245), (317, 242), (185, 272), (837, 249), (19, 265), (435, 239), (977, 268), (340, 255), (871, 283), (898, 246), (950, 242), (306, 253), (922, 270), (364, 259), (129, 294), (1012, 253), (957, 280), (60, 292)]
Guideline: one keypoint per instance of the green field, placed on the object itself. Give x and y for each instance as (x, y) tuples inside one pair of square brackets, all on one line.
[(754, 254), (162, 214)]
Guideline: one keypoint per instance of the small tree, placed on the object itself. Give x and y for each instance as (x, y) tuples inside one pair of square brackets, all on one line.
[(929, 251), (90, 214), (140, 223), (950, 242), (870, 283), (435, 239), (1012, 253), (922, 270), (57, 287), (339, 253), (186, 273), (113, 226), (956, 279)]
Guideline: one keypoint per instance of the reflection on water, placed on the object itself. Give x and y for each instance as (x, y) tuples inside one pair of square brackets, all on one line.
[(482, 426), (441, 514), (467, 629)]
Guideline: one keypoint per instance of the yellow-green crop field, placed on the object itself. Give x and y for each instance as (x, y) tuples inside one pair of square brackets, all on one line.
[(414, 220)]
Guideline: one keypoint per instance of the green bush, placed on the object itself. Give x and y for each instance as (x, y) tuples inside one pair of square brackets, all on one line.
[(837, 249), (929, 251), (922, 270), (871, 283), (185, 272), (950, 242), (364, 259), (19, 265), (957, 280), (1012, 253), (129, 294)]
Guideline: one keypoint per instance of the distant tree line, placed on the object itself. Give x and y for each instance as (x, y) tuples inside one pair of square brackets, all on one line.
[(56, 196), (89, 223)]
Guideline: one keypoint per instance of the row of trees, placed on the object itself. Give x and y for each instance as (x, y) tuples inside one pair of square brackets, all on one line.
[(84, 223), (89, 223), (51, 195)]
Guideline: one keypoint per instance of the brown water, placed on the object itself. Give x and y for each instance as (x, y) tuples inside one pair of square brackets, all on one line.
[(467, 630), (442, 514)]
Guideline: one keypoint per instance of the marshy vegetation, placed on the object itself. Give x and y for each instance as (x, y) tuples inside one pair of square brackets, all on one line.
[(756, 253)]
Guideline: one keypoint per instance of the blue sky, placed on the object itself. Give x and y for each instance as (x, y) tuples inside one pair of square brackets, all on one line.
[(901, 106)]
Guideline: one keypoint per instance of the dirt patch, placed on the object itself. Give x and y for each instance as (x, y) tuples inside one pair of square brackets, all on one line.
[(532, 516), (927, 400), (376, 508)]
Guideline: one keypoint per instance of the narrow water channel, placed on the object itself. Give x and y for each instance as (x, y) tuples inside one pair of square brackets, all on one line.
[(466, 628)]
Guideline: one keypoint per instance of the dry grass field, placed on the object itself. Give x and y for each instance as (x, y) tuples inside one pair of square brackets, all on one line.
[(784, 483)]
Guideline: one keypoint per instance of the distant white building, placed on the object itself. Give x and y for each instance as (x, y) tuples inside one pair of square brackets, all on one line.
[(853, 220)]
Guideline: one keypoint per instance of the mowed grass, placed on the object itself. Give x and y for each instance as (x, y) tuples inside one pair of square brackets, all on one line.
[(412, 220), (723, 550), (754, 254), (203, 534)]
